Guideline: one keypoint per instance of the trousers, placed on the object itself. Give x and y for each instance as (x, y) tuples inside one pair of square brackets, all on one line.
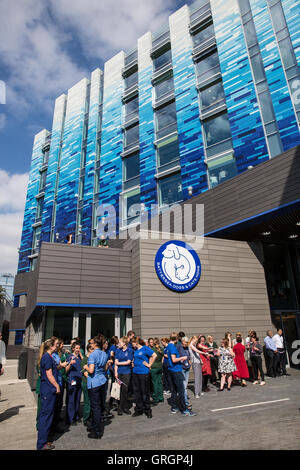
[(141, 391), (177, 389), (197, 368), (48, 399), (97, 397)]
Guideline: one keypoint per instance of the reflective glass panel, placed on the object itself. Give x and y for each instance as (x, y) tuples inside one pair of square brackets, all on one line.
[(168, 151), (131, 107), (170, 189), (131, 135), (166, 116), (212, 95), (162, 60), (131, 79), (216, 130), (208, 64), (221, 169), (203, 35), (131, 166), (164, 87)]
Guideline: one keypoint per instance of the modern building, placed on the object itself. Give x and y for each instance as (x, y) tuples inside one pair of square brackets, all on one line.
[(206, 110)]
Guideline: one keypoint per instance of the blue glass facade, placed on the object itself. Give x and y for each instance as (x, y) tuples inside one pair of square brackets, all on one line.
[(212, 93)]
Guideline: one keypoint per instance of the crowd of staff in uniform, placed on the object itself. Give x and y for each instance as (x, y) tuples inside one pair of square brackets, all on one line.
[(115, 375)]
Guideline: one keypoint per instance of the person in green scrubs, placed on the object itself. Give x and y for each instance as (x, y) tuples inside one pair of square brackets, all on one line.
[(157, 372)]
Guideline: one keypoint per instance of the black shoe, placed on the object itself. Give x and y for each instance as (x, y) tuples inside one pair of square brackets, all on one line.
[(148, 414), (287, 374), (153, 403), (120, 413), (94, 435), (136, 413), (127, 412), (229, 389), (220, 389)]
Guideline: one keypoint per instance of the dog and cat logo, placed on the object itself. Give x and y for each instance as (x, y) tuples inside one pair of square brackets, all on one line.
[(178, 266)]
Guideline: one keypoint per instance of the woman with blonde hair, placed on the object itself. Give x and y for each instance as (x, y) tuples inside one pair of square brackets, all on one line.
[(226, 364), (196, 365), (123, 360), (49, 388)]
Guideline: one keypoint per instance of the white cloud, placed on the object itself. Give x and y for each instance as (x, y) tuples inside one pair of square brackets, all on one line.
[(108, 26), (12, 202), (33, 50)]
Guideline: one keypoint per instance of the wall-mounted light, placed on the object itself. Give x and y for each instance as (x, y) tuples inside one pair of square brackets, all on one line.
[(190, 190), (298, 223), (250, 167), (57, 236), (294, 235), (265, 234)]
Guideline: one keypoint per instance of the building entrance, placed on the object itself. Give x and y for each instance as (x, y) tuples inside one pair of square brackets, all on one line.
[(289, 322)]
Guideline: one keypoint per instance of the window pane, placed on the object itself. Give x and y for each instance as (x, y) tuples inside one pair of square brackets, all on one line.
[(278, 17), (162, 60), (275, 145), (203, 35), (168, 151), (130, 199), (258, 68), (59, 323), (170, 189), (212, 95), (266, 107), (221, 169), (287, 52), (164, 87), (166, 116), (244, 6), (131, 135), (131, 79), (131, 106), (131, 167), (43, 181), (208, 64), (250, 33), (216, 130)]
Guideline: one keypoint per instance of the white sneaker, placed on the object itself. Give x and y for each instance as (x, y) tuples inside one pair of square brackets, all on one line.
[(262, 383), (256, 382), (197, 396)]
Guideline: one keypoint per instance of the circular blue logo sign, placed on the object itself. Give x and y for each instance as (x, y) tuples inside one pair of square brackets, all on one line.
[(178, 266)]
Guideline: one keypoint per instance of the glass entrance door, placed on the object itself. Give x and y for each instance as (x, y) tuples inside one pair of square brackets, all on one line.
[(289, 322), (103, 323)]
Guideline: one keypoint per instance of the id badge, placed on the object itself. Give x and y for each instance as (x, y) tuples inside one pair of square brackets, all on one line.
[(73, 382)]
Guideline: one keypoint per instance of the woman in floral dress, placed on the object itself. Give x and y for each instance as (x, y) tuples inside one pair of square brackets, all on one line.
[(226, 364)]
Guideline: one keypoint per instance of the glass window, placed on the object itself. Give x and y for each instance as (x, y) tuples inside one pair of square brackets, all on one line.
[(36, 237), (130, 210), (131, 166), (166, 117), (278, 17), (170, 190), (212, 95), (162, 60), (208, 66), (168, 151), (216, 130), (250, 33), (164, 87), (103, 323), (203, 35), (131, 79), (46, 157), (39, 209), (258, 68), (43, 181), (221, 169), (244, 6), (131, 135), (287, 53), (266, 107), (59, 323), (275, 145), (131, 107), (19, 337)]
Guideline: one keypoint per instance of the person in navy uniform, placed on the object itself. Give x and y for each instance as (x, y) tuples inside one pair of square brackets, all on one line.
[(73, 370), (143, 359), (123, 360), (49, 388)]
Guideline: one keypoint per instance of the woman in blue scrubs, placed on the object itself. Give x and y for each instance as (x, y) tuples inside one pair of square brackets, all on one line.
[(49, 388), (143, 359), (123, 360), (73, 370)]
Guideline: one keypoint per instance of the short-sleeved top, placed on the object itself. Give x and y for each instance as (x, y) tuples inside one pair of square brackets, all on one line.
[(184, 352), (56, 357), (98, 377), (166, 360), (47, 363), (75, 369), (141, 355), (84, 363), (174, 367), (124, 356), (157, 364)]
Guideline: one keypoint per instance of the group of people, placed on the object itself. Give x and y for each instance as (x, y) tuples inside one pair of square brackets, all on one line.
[(136, 369)]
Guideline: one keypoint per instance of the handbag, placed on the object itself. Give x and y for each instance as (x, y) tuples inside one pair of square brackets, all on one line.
[(115, 391)]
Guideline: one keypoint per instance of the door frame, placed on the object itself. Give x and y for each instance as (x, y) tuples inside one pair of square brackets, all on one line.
[(280, 313), (88, 321)]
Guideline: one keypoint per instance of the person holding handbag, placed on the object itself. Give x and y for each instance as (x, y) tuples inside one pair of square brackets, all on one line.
[(123, 360)]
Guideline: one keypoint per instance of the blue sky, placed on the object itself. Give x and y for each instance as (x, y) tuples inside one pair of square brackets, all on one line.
[(46, 46)]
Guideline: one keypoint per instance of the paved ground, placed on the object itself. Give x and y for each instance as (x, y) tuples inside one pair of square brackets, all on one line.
[(271, 420)]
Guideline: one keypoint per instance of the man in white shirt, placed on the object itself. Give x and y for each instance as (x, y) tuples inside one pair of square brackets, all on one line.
[(280, 361)]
